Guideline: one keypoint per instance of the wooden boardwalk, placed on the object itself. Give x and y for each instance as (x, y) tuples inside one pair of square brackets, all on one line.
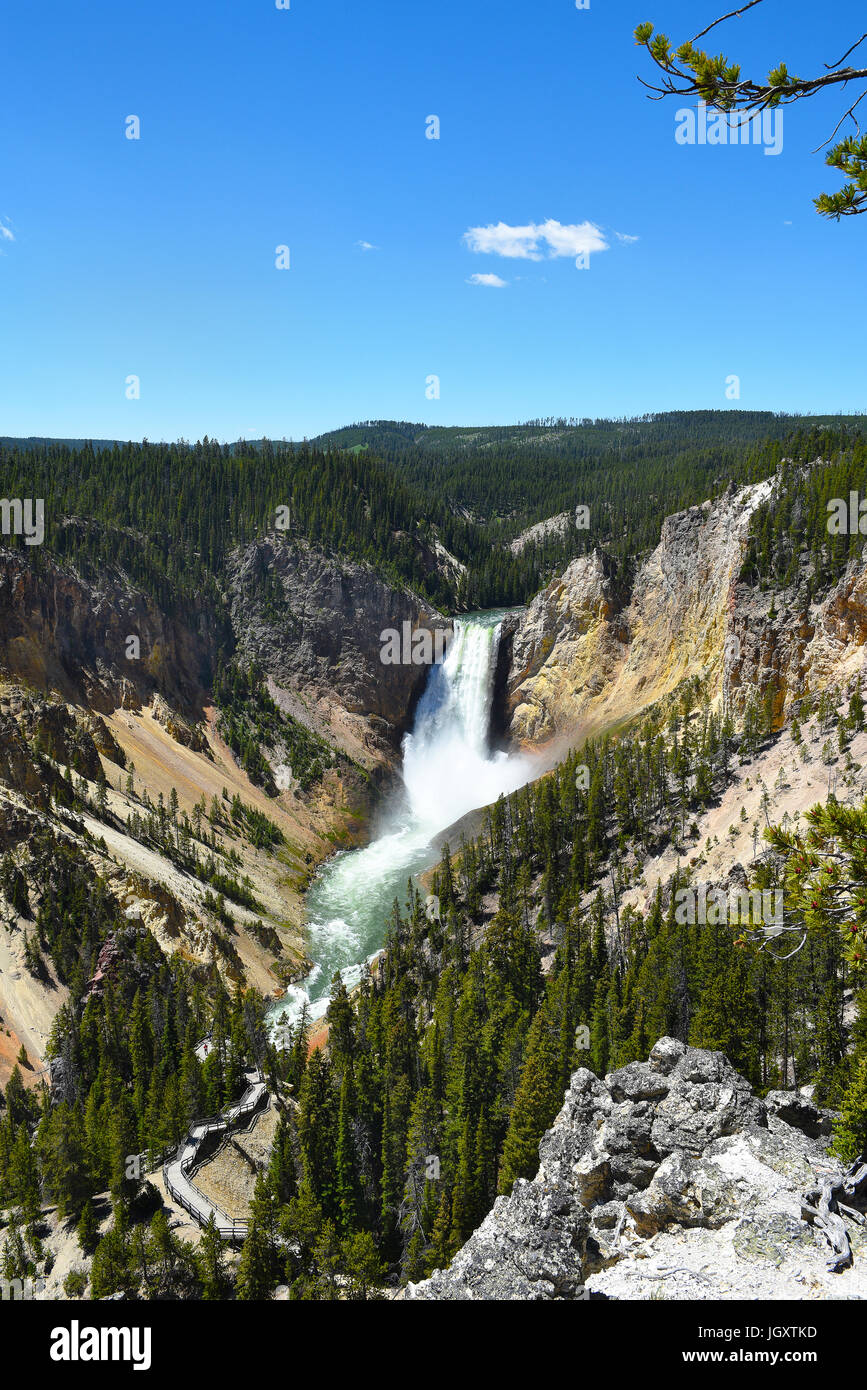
[(177, 1171)]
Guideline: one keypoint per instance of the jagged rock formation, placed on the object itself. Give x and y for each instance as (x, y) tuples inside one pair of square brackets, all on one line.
[(72, 737), (180, 729), (581, 661), (670, 1179), (34, 734), (569, 646), (781, 641), (314, 622), (117, 953)]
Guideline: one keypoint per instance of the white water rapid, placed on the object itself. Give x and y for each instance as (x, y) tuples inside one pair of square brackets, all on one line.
[(448, 770)]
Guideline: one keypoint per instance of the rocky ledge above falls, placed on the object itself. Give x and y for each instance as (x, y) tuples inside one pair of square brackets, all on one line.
[(670, 1180)]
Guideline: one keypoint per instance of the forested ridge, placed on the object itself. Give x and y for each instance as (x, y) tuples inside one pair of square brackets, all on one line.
[(168, 514), (631, 473), (792, 540)]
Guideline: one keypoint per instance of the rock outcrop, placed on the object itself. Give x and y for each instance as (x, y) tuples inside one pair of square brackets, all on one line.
[(780, 641), (670, 1179), (35, 733), (542, 530), (567, 649), (182, 730)]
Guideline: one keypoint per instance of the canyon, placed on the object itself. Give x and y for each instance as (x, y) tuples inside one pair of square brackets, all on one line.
[(586, 656), (663, 1175)]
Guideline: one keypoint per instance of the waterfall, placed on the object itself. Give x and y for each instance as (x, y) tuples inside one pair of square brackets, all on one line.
[(448, 770), (446, 762)]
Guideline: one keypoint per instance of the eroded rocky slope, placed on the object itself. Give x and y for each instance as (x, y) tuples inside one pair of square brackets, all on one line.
[(63, 633), (101, 737)]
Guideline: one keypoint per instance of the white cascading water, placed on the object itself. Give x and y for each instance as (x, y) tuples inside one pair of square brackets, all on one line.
[(448, 770)]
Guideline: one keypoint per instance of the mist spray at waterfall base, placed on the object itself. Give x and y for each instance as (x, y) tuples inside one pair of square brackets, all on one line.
[(448, 770)]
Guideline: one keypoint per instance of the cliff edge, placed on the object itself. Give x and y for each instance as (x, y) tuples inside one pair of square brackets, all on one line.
[(670, 1180)]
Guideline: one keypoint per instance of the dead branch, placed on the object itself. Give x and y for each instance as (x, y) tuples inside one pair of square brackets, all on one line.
[(734, 14), (821, 1208)]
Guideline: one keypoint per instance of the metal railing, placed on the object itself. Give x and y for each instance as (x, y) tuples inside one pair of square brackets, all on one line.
[(228, 1228)]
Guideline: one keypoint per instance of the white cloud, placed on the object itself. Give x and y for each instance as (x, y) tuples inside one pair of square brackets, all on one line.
[(5, 233), (625, 238), (502, 240), (367, 246), (537, 240), (493, 282)]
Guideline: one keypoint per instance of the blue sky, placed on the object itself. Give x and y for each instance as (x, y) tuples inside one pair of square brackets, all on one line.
[(306, 127)]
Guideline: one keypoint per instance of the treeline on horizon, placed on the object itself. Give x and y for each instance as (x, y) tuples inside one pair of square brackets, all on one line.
[(168, 515)]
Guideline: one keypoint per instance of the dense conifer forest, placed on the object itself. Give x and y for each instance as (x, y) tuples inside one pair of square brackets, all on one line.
[(793, 540)]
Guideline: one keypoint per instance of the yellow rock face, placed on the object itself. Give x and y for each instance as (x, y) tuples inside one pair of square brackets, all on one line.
[(581, 664)]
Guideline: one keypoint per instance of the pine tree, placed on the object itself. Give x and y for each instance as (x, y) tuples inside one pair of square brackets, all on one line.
[(87, 1230), (441, 1248), (537, 1100), (253, 1282), (362, 1266), (347, 1187), (850, 1130), (212, 1264)]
